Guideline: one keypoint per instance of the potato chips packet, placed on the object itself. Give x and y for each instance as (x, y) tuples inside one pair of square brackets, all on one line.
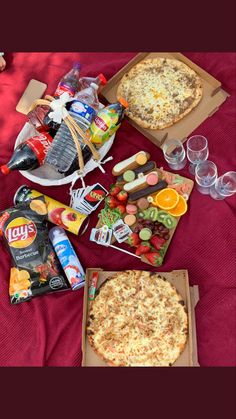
[(36, 269)]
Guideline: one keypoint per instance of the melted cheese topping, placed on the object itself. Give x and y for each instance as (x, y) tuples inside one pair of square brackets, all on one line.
[(137, 320), (160, 92)]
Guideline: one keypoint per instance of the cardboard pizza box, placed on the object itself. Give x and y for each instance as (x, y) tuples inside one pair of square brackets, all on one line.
[(179, 278), (213, 97)]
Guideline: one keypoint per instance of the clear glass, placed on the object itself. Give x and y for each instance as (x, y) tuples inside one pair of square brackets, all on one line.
[(197, 151), (174, 154), (205, 176), (224, 186)]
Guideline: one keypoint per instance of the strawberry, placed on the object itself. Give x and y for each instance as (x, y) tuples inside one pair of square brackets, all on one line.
[(121, 208), (122, 196), (134, 239), (157, 242), (144, 247), (111, 202), (154, 258), (114, 190)]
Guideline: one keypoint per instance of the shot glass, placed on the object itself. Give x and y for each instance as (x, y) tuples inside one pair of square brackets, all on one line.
[(224, 186), (174, 154), (205, 176), (197, 151)]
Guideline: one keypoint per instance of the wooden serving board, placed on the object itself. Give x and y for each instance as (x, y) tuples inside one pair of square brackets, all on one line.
[(176, 177)]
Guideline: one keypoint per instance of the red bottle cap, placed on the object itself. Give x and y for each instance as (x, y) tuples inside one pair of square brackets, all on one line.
[(5, 169), (102, 79)]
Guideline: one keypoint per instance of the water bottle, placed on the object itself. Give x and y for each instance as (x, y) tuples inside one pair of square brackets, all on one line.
[(63, 154)]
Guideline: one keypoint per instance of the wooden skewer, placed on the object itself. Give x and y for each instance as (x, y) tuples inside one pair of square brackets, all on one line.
[(125, 251)]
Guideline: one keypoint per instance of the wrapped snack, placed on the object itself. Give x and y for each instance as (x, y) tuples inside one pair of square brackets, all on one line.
[(36, 269)]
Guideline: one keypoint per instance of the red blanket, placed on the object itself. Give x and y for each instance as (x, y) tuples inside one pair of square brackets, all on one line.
[(47, 330)]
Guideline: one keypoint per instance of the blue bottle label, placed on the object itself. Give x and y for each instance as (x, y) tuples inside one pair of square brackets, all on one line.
[(70, 264), (83, 110)]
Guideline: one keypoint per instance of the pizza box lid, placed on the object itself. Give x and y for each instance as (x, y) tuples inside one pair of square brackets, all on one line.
[(179, 278), (213, 97)]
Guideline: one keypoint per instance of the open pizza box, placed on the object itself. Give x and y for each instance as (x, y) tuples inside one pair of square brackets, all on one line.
[(213, 97), (179, 278)]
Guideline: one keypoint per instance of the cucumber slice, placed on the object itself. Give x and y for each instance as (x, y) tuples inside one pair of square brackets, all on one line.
[(169, 221)]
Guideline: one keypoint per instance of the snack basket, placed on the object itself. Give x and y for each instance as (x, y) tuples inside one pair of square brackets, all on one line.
[(45, 175)]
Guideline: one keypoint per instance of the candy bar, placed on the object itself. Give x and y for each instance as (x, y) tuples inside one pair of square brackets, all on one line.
[(147, 191)]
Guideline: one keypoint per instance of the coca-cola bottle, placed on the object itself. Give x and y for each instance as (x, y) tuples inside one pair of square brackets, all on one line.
[(30, 154), (70, 84)]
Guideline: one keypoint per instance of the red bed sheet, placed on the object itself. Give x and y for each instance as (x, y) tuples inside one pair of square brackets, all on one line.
[(47, 330)]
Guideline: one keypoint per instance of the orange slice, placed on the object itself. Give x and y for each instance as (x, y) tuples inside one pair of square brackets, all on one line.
[(180, 209), (167, 199)]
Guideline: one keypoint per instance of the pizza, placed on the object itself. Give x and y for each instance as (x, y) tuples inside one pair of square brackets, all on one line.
[(137, 318), (160, 92)]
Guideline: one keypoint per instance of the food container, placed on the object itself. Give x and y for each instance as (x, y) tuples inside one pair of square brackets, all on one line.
[(213, 97), (180, 280)]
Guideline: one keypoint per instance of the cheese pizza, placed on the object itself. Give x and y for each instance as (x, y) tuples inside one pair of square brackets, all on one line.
[(160, 92), (137, 319)]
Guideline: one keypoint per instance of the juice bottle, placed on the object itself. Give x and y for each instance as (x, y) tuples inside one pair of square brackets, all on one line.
[(106, 122)]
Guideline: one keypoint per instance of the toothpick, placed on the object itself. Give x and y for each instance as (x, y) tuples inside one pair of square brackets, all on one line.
[(125, 251)]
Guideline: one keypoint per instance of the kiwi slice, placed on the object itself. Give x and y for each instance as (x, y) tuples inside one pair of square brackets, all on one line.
[(161, 216), (169, 221)]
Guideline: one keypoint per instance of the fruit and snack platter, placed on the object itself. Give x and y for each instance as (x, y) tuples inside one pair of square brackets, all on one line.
[(143, 208)]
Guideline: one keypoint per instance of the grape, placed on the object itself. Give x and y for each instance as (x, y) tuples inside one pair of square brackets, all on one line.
[(165, 230)]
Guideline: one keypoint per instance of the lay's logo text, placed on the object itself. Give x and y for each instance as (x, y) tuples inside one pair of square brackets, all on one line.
[(21, 232)]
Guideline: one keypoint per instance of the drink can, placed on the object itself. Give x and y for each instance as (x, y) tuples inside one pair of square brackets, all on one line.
[(58, 213)]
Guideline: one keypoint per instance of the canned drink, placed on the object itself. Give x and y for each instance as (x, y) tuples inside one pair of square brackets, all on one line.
[(58, 213)]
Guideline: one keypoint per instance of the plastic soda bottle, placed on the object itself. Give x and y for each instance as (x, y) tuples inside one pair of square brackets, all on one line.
[(85, 82), (30, 154), (70, 82)]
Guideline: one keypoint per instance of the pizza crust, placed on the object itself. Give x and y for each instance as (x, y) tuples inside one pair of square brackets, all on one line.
[(137, 319), (160, 92)]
